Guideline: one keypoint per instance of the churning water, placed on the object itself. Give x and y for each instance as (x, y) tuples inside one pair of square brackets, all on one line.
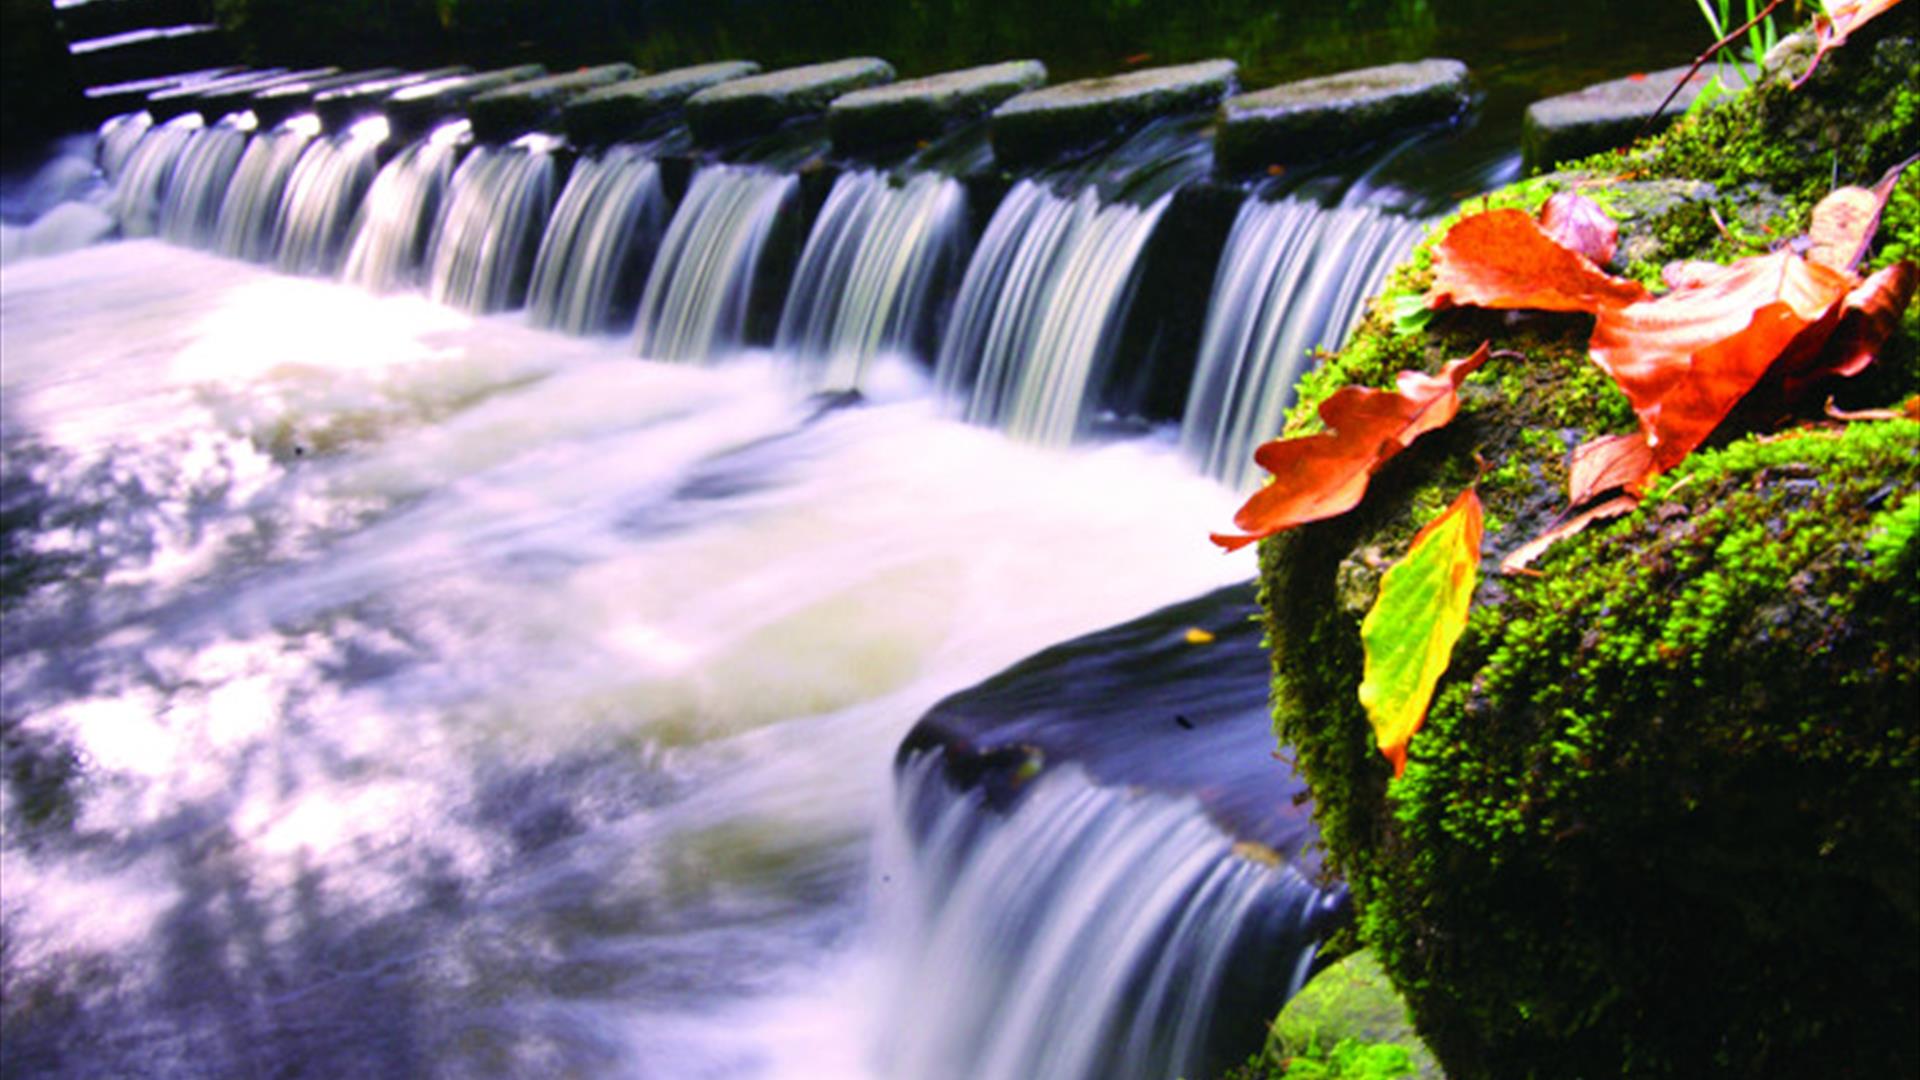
[(396, 691)]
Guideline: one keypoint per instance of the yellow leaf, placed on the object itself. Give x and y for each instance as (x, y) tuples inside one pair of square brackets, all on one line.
[(1409, 634), (1197, 636)]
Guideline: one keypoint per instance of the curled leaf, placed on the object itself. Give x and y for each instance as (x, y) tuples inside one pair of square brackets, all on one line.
[(1841, 19), (1503, 259), (1607, 463), (1521, 557), (1685, 359), (1868, 317), (1579, 224), (1844, 222), (1409, 634), (1326, 474)]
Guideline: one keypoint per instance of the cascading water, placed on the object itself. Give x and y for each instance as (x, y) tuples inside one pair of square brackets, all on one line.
[(1087, 932), (599, 244), (869, 281), (119, 135), (325, 189), (695, 304), (1042, 301), (481, 254), (142, 185), (250, 215), (200, 183), (1293, 278), (396, 219)]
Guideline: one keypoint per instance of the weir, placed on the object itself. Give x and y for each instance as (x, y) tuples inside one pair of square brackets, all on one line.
[(1076, 913)]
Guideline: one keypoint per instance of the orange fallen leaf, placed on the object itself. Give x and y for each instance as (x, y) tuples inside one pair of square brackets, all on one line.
[(1607, 463), (1841, 19), (1579, 224), (1685, 359), (1869, 315), (1519, 558), (1504, 259), (1844, 222), (1322, 475)]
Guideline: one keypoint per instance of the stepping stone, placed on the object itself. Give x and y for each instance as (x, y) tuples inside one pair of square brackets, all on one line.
[(1041, 124), (340, 109), (276, 103), (1318, 118), (626, 108), (413, 110), (139, 54), (756, 105), (218, 98), (132, 96), (922, 108), (1602, 116), (511, 111)]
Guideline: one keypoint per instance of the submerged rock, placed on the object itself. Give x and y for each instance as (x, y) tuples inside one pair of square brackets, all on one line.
[(626, 108), (922, 108), (1602, 116), (1317, 118), (1042, 124), (502, 114), (760, 103), (412, 110)]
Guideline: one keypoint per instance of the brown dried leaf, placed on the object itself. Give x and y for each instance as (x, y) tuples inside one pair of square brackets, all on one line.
[(1579, 224)]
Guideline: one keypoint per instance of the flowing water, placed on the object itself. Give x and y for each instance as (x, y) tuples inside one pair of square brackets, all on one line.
[(327, 185), (599, 244), (696, 302), (481, 253), (200, 182), (391, 230), (141, 186), (250, 215)]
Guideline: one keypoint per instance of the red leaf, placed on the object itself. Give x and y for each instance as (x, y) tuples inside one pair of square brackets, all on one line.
[(1868, 317), (1324, 475), (1579, 224), (1502, 259), (1842, 18), (1517, 560), (1845, 221), (1607, 463), (1687, 358)]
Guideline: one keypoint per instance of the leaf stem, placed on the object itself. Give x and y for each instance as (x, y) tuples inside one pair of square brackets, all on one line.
[(1700, 60)]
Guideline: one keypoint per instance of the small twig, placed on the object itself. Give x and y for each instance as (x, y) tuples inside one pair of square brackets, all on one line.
[(1701, 60)]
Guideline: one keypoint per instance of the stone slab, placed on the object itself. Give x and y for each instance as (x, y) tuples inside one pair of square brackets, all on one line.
[(922, 108), (222, 96), (412, 110), (276, 103), (760, 103), (1041, 124), (510, 111), (1601, 116), (611, 113), (338, 109), (1318, 118)]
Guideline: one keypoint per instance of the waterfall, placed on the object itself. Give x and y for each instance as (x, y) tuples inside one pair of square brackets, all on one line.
[(140, 189), (119, 135), (1041, 303), (325, 189), (396, 219), (1293, 278), (200, 182), (250, 216), (604, 231), (696, 299), (868, 280), (481, 253), (1087, 932)]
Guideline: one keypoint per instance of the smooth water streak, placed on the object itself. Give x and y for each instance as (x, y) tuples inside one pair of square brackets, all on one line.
[(599, 244), (481, 254), (697, 298), (395, 221)]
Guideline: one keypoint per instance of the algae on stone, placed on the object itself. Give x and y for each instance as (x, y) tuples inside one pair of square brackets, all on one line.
[(520, 107), (1603, 116), (759, 103), (625, 108)]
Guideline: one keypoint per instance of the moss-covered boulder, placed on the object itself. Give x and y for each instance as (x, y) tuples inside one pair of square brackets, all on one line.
[(1664, 817), (1044, 124), (515, 109), (626, 109), (1604, 115), (1319, 118), (922, 108), (413, 110), (756, 105)]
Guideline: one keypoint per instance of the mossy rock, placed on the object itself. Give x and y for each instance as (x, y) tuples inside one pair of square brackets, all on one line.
[(413, 110), (923, 108), (512, 110), (1323, 117), (1042, 124), (1604, 115), (1352, 1003), (625, 109), (754, 106), (1664, 817)]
